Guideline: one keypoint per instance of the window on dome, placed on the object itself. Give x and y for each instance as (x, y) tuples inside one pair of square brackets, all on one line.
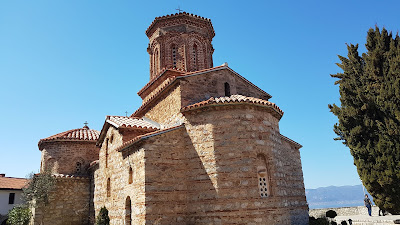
[(78, 167), (174, 56), (194, 52)]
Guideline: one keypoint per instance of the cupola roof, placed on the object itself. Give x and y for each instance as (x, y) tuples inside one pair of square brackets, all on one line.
[(80, 134), (181, 18)]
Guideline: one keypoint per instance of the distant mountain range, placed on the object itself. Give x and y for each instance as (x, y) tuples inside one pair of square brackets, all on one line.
[(332, 196)]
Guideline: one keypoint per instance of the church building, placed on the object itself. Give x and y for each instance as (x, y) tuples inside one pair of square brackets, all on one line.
[(203, 148)]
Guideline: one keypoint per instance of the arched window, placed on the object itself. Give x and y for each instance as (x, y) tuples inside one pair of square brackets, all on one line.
[(174, 53), (227, 89), (128, 211), (130, 179), (194, 52), (108, 187), (106, 149), (157, 62), (262, 176)]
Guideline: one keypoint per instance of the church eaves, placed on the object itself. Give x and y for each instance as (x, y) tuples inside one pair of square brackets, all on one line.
[(233, 100)]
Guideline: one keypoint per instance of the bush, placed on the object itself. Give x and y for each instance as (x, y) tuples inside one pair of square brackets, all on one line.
[(102, 218), (331, 214), (319, 221), (19, 215), (343, 222)]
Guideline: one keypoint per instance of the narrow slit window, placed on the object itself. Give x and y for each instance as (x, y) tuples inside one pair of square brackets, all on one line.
[(130, 180), (106, 148), (128, 211), (108, 187), (227, 89), (194, 57), (174, 56)]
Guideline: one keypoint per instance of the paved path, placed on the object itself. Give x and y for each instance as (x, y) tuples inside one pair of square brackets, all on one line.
[(370, 220)]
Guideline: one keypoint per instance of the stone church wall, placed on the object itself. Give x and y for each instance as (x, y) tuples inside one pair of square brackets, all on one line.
[(166, 109), (166, 172), (201, 87), (68, 203), (117, 170), (228, 141)]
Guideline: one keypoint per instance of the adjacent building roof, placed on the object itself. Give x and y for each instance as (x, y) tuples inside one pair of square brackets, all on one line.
[(80, 134), (233, 99), (11, 183)]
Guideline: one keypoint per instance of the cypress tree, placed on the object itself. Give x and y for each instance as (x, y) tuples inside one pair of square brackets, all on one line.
[(369, 114)]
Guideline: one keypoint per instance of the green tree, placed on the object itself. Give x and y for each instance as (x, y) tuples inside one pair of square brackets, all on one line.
[(102, 218), (19, 215), (38, 189), (369, 114)]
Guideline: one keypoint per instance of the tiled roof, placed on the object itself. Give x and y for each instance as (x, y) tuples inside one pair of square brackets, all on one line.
[(145, 136), (70, 176), (131, 122), (297, 145), (12, 183), (233, 99), (81, 134)]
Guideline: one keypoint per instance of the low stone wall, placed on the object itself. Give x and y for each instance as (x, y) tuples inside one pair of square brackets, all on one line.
[(345, 211)]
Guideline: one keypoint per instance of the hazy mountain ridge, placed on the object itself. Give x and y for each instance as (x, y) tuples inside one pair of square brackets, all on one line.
[(333, 196)]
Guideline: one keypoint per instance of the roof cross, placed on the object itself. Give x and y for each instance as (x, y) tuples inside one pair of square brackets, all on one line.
[(126, 113), (86, 124), (179, 9)]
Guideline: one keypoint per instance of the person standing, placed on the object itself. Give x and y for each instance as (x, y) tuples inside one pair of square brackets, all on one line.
[(368, 204)]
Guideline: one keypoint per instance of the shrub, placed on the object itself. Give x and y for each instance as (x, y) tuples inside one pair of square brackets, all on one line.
[(102, 218), (331, 214), (319, 221), (343, 222), (19, 215), (38, 189)]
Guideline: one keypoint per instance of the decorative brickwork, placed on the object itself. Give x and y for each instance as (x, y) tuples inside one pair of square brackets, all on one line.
[(181, 41)]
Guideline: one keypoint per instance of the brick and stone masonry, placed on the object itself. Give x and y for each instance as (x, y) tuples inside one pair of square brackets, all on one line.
[(204, 147)]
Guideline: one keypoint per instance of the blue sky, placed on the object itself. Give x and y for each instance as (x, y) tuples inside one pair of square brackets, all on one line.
[(66, 62)]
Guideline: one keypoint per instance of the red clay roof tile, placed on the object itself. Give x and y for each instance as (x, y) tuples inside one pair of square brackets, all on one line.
[(12, 183), (80, 134), (130, 122), (232, 99), (144, 136)]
